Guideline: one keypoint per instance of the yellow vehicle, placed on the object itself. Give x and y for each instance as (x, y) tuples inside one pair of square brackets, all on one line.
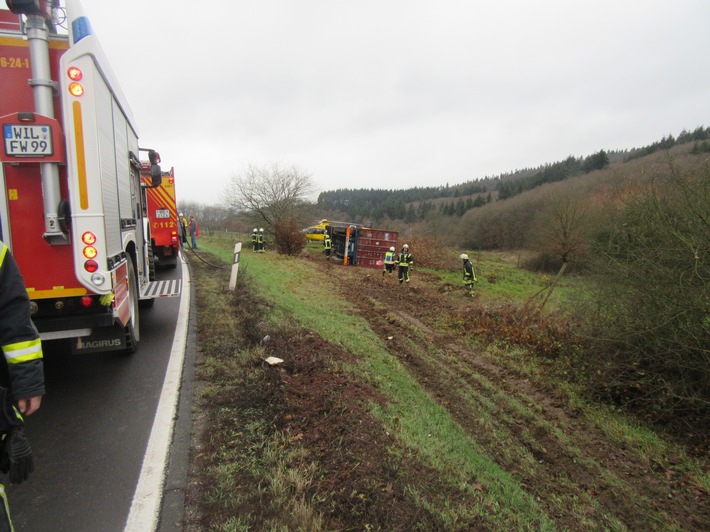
[(318, 231)]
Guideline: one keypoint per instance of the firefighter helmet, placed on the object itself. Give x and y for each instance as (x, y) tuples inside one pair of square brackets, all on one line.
[(261, 229), (255, 230), (392, 248), (405, 246), (463, 256)]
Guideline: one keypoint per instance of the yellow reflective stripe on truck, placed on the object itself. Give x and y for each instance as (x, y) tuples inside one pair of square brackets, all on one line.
[(56, 292), (18, 41), (80, 156)]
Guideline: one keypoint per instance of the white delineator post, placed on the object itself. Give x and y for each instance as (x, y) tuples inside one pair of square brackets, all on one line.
[(235, 266)]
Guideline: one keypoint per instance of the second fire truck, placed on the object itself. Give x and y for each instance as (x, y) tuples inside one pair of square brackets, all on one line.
[(163, 218)]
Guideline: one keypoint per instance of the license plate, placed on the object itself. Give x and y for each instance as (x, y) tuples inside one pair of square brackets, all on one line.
[(27, 141), (162, 213)]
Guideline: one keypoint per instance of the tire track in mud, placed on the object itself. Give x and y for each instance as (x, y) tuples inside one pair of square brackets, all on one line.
[(578, 476)]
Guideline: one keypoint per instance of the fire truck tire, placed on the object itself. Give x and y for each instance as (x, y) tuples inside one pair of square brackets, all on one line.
[(132, 329)]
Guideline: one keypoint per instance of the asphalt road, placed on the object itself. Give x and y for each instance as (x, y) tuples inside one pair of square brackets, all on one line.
[(89, 437)]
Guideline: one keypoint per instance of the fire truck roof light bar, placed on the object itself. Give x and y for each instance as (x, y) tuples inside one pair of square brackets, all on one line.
[(81, 27)]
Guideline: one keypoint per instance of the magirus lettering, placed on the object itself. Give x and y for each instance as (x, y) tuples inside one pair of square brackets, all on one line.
[(98, 343)]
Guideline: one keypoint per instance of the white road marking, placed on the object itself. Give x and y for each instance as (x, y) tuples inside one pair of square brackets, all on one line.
[(145, 509)]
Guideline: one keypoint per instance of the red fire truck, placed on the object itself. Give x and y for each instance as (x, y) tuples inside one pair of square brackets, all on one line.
[(163, 218), (73, 205)]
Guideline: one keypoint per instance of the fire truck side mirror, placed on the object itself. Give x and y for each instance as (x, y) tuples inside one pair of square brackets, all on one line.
[(153, 157), (24, 7), (156, 175)]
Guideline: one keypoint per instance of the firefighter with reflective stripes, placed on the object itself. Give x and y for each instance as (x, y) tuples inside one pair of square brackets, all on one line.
[(405, 261), (469, 275), (390, 261), (182, 229), (260, 241), (21, 376), (255, 240), (327, 245)]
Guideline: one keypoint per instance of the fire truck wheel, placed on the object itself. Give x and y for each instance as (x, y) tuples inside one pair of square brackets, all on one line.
[(132, 329)]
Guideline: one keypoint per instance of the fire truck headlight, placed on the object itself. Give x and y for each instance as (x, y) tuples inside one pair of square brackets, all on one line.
[(98, 279), (34, 307)]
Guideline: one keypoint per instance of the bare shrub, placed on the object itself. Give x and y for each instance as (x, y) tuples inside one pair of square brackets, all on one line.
[(288, 237), (545, 335), (431, 252)]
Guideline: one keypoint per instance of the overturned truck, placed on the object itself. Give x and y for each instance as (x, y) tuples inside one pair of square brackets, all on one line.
[(356, 245)]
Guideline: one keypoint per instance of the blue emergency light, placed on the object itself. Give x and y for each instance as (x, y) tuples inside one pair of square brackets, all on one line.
[(81, 27)]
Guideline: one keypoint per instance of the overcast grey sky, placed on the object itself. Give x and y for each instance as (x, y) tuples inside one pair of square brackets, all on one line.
[(402, 93)]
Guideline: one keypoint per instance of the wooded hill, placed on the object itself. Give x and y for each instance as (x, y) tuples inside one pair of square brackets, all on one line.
[(387, 206)]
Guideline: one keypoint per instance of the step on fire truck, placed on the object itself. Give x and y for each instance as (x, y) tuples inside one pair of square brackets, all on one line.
[(162, 218), (73, 208)]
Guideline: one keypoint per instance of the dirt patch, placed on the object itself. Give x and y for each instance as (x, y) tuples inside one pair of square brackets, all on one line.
[(328, 413)]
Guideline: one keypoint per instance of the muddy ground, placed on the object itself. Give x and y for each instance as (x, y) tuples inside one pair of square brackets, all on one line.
[(364, 478)]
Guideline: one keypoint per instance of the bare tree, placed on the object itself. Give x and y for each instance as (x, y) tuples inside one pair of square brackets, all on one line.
[(563, 232), (189, 207), (271, 194)]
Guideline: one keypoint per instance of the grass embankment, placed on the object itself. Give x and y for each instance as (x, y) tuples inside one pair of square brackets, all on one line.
[(362, 429)]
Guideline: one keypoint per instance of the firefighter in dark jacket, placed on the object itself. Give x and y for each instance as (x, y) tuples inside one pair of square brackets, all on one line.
[(469, 275), (21, 377), (327, 245), (260, 241), (405, 261), (255, 240)]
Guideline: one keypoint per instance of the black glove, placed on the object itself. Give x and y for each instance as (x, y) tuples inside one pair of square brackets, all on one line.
[(9, 417), (16, 456)]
